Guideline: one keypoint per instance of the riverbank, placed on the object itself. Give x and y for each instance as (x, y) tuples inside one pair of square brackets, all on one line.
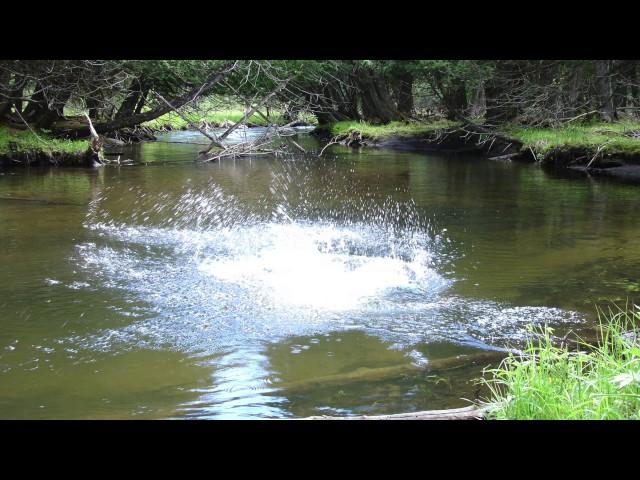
[(25, 147), (551, 381), (599, 148), (557, 379)]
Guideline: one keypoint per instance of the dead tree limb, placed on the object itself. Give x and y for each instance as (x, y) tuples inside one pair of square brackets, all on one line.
[(493, 135), (95, 144), (213, 138), (598, 151), (247, 115), (298, 146), (333, 141)]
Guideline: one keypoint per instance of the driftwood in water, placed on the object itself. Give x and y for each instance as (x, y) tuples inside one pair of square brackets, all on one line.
[(486, 135), (256, 147), (395, 371), (245, 117), (279, 130), (465, 413), (214, 140)]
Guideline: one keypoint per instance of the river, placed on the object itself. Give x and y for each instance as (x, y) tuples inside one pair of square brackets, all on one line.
[(289, 286)]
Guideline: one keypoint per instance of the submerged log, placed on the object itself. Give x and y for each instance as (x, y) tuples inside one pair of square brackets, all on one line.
[(504, 158), (466, 413), (395, 371)]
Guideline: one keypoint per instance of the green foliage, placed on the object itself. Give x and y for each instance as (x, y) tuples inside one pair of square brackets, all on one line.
[(550, 382), (446, 72), (169, 77), (20, 141)]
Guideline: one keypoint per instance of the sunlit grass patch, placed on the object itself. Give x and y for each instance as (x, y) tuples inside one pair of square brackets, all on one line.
[(215, 118), (20, 141), (392, 129), (551, 382), (614, 136)]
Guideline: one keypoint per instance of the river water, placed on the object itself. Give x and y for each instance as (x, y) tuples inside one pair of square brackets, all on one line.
[(292, 285)]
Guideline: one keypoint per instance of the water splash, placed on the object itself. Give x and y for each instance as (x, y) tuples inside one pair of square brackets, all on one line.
[(321, 266), (215, 271)]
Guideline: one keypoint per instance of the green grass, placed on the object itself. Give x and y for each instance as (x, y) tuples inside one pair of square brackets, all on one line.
[(392, 129), (215, 118), (21, 141), (217, 110), (590, 136), (551, 382)]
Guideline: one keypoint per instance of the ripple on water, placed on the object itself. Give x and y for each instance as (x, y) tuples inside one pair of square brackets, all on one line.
[(266, 281)]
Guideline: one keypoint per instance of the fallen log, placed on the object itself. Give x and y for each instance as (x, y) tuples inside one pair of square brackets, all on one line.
[(466, 413)]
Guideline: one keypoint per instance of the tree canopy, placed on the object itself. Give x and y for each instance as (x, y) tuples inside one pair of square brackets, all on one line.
[(120, 93)]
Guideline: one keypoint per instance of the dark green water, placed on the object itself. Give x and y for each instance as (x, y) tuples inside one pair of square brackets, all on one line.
[(290, 286)]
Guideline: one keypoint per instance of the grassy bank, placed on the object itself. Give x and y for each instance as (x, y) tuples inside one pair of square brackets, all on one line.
[(613, 138), (390, 130), (554, 382), (13, 141), (575, 144)]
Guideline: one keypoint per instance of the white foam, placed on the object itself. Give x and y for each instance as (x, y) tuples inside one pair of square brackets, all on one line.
[(309, 266)]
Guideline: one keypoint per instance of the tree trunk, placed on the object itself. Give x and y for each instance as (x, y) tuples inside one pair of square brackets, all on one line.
[(478, 105), (47, 117), (404, 94), (576, 84), (625, 80), (635, 88), (506, 77), (498, 110), (377, 105), (5, 93), (327, 117), (92, 105), (335, 106), (135, 99), (455, 100), (346, 99), (36, 105), (17, 104), (128, 106), (604, 91), (141, 102), (42, 112)]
